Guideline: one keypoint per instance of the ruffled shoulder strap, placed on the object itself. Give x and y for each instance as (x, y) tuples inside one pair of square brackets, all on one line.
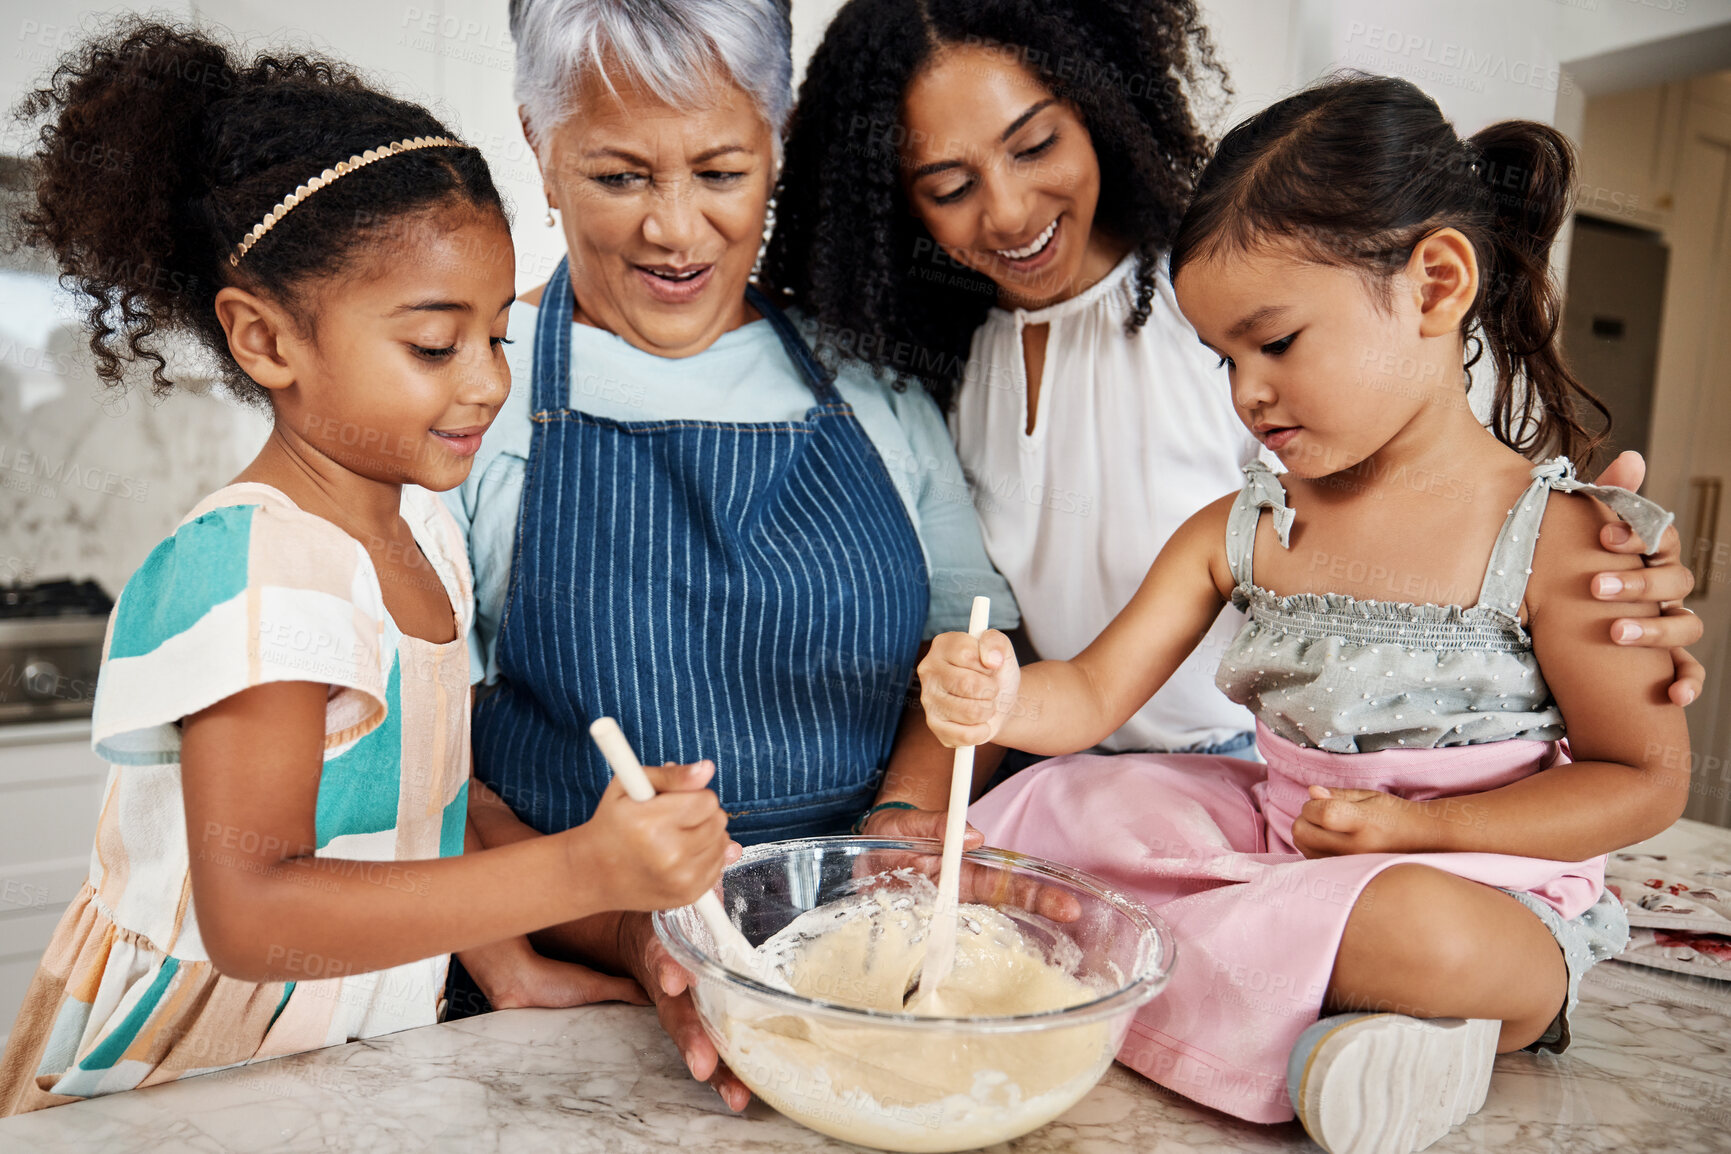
[(1511, 561), (1262, 490)]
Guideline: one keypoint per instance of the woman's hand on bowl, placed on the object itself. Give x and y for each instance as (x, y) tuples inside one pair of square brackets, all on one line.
[(917, 823), (669, 987)]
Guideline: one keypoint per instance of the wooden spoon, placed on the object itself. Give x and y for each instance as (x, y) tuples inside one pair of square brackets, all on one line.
[(735, 951), (941, 932)]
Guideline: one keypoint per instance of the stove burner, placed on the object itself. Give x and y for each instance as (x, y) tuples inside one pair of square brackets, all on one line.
[(63, 598)]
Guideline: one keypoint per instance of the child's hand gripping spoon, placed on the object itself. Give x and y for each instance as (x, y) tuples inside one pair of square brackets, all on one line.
[(941, 935), (736, 952)]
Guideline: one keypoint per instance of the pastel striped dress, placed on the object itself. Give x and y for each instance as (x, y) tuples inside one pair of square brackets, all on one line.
[(248, 590)]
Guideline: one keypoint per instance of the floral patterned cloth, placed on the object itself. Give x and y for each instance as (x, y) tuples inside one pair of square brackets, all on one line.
[(1679, 912)]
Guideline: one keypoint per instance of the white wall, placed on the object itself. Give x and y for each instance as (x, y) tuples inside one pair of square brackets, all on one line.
[(1482, 59), (1488, 60)]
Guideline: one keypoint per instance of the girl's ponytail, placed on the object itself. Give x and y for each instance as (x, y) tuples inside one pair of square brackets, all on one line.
[(1358, 169), (1527, 171), (161, 149), (117, 170)]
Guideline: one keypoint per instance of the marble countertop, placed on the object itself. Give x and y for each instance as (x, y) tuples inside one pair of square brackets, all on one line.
[(1649, 1071)]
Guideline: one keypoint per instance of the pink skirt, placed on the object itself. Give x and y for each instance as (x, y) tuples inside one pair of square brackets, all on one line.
[(1206, 842)]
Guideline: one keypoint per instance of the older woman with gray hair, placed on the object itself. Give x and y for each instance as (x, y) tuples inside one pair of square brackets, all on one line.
[(681, 519)]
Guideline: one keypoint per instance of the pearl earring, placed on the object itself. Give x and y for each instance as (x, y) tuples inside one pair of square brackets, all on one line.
[(550, 221)]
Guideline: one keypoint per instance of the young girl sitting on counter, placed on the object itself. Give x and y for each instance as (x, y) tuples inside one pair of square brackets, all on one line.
[(1422, 856)]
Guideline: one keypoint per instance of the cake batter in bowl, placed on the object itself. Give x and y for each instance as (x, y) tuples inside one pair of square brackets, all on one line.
[(1050, 968)]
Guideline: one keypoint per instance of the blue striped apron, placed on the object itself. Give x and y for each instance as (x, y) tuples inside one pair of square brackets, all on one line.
[(750, 593)]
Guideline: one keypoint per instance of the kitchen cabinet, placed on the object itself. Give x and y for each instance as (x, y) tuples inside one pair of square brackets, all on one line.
[(51, 788)]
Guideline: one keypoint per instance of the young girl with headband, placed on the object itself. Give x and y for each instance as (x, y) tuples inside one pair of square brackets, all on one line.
[(284, 695), (1423, 855)]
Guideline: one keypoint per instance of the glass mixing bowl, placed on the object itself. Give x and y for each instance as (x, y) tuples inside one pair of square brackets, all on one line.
[(900, 1081)]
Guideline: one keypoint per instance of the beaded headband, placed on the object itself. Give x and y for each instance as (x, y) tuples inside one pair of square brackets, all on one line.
[(343, 168)]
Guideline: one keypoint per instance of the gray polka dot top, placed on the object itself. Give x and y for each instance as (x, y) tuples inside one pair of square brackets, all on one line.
[(1333, 672)]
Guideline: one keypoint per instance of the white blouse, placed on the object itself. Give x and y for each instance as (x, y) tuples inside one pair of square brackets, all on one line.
[(1133, 435)]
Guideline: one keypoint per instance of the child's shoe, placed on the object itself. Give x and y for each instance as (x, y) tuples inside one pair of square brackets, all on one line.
[(1387, 1083)]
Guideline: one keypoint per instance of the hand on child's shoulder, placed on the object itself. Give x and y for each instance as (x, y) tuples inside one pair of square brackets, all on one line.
[(1568, 554)]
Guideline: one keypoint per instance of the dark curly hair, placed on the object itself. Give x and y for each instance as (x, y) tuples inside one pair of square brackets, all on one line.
[(161, 149), (1357, 169), (846, 242)]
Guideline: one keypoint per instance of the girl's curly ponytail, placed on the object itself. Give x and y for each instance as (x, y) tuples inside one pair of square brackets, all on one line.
[(160, 148)]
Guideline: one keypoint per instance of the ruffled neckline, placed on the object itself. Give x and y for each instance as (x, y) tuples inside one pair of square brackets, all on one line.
[(1371, 609), (1114, 281)]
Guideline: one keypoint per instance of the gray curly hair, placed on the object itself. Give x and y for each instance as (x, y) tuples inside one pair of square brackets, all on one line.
[(668, 46)]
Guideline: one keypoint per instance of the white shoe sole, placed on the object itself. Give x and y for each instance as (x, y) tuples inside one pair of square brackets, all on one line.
[(1390, 1084)]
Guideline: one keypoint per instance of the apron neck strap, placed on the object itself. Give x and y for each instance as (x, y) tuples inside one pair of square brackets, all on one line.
[(550, 389), (817, 377), (550, 383)]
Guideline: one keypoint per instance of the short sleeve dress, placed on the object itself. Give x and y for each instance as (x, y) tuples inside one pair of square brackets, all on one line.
[(249, 590)]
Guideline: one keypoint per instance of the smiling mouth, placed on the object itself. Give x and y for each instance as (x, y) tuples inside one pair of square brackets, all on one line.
[(674, 275), (463, 442), (1033, 248)]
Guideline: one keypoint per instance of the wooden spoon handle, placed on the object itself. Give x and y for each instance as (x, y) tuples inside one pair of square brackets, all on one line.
[(735, 950), (941, 937)]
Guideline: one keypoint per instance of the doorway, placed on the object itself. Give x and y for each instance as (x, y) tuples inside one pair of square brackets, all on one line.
[(1653, 244)]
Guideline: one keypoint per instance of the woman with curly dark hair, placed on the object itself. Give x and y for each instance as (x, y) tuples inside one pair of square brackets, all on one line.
[(978, 196), (895, 78)]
